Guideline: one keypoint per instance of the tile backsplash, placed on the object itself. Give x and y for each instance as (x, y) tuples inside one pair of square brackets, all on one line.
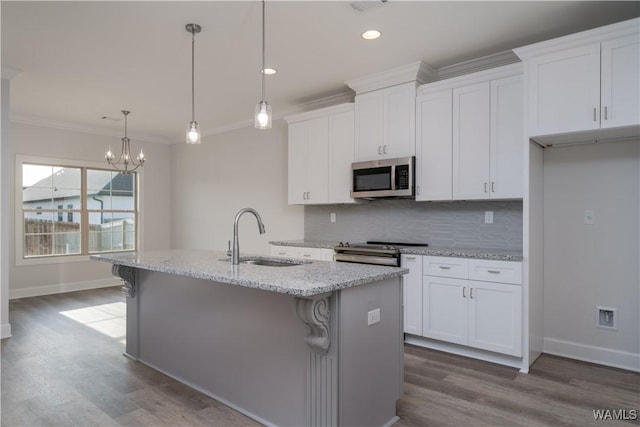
[(450, 224)]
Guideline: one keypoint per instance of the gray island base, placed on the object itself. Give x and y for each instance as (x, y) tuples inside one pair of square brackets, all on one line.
[(295, 350)]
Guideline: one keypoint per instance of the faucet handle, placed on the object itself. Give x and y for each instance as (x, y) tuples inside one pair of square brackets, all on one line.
[(229, 248)]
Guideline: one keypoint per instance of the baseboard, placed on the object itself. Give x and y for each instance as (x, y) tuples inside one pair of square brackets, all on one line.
[(5, 331), (62, 288), (461, 350), (588, 353)]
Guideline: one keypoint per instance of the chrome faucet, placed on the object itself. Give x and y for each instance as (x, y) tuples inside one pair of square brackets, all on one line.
[(235, 252)]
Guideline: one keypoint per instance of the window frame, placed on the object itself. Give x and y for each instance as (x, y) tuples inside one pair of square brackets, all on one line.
[(20, 259)]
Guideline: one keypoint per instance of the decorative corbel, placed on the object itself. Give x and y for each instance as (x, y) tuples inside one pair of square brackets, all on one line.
[(314, 312), (128, 277)]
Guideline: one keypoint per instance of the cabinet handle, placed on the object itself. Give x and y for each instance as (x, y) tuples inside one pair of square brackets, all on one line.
[(308, 195), (282, 253), (485, 187), (384, 149), (418, 190), (471, 293), (493, 271), (444, 267), (379, 149), (605, 113), (594, 114), (464, 295), (493, 186), (306, 255), (412, 258)]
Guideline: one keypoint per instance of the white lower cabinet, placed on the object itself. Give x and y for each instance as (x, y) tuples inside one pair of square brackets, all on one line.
[(299, 252), (470, 302), (412, 293)]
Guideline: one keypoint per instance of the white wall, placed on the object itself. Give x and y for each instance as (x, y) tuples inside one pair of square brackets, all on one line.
[(227, 172), (589, 265), (155, 205)]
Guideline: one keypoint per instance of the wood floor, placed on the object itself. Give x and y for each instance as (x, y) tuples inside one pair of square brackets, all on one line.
[(64, 367)]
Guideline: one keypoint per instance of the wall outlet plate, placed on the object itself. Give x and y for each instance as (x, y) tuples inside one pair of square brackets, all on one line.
[(606, 318), (332, 217), (373, 317), (589, 216), (488, 217)]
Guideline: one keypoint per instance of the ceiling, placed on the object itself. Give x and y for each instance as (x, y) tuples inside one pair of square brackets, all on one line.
[(83, 60)]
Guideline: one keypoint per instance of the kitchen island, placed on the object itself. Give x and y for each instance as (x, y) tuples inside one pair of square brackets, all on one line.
[(309, 344)]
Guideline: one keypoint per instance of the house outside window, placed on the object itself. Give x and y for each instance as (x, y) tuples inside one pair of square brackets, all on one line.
[(100, 214)]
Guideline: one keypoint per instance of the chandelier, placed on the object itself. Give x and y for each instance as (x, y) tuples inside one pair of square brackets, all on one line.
[(125, 163)]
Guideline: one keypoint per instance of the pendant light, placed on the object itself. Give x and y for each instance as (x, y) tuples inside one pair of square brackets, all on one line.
[(128, 164), (193, 132), (263, 109)]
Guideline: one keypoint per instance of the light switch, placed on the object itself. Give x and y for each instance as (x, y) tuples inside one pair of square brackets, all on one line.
[(332, 217), (589, 216)]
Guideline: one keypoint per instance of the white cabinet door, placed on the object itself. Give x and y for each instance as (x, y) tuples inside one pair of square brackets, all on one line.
[(369, 118), (433, 146), (412, 286), (385, 123), (495, 317), (318, 164), (341, 155), (445, 314), (298, 160), (564, 91), (399, 121), (620, 82), (507, 138), (471, 142)]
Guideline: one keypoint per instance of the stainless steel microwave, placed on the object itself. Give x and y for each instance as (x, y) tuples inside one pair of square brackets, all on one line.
[(383, 178)]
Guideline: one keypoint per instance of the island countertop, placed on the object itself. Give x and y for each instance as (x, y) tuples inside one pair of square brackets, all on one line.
[(305, 279)]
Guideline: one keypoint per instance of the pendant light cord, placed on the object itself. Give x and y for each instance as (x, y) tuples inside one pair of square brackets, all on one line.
[(263, 49), (193, 75)]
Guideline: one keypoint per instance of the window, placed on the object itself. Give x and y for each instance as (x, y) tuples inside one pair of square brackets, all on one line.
[(100, 214)]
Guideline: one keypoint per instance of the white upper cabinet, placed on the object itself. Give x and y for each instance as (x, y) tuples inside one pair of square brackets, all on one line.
[(620, 82), (320, 155), (385, 123), (584, 87), (565, 91), (507, 130), (470, 137), (433, 146), (471, 141)]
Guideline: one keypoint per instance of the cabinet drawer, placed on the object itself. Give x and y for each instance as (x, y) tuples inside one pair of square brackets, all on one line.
[(495, 271), (445, 267)]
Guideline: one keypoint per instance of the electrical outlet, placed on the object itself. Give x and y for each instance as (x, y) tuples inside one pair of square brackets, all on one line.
[(488, 217), (606, 318), (332, 217), (373, 317), (589, 217)]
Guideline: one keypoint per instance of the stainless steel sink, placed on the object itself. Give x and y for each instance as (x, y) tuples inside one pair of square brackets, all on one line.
[(270, 262)]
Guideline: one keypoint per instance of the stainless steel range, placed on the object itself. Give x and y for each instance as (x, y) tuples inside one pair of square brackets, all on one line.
[(372, 252)]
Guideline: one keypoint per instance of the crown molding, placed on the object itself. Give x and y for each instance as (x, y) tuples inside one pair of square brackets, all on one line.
[(9, 72), (415, 72), (479, 64), (54, 124), (472, 78), (596, 35), (308, 115)]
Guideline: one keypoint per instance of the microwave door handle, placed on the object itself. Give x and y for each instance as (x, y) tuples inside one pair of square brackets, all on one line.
[(393, 177)]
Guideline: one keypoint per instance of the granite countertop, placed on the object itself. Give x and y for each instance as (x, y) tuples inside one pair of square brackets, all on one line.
[(304, 279), (478, 253)]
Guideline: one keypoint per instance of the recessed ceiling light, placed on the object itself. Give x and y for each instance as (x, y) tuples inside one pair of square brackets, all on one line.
[(269, 71), (371, 34)]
